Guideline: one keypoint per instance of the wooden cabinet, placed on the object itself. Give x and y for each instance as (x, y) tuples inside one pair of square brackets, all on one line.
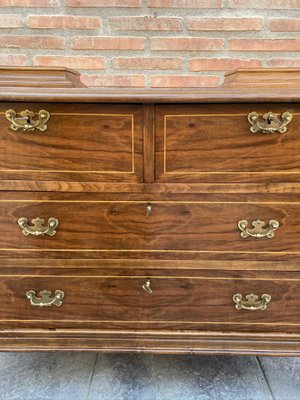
[(147, 220)]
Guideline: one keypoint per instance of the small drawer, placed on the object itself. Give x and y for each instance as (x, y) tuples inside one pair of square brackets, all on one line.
[(221, 143), (71, 142)]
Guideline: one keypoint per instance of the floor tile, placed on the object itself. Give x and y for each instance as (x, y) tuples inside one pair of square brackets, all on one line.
[(171, 377), (123, 377), (283, 375), (45, 376)]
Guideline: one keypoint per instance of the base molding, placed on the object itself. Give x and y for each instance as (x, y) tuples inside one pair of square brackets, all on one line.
[(151, 342)]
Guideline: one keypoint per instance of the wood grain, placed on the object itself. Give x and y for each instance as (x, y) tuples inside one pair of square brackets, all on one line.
[(82, 225), (149, 133), (213, 226), (213, 143), (190, 300), (81, 143), (145, 341), (34, 77)]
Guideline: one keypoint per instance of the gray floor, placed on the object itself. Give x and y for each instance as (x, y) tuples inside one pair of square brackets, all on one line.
[(92, 376)]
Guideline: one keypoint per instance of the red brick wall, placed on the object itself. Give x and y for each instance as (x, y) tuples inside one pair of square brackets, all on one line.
[(158, 43)]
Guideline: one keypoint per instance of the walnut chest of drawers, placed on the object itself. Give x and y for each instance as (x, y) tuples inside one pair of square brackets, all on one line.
[(150, 220)]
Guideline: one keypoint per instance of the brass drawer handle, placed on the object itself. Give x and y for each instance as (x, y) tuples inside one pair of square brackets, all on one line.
[(258, 231), (251, 303), (38, 228), (26, 122), (45, 299), (269, 122), (147, 286)]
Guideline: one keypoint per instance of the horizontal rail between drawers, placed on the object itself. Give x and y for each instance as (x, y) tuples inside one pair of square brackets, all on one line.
[(151, 322)]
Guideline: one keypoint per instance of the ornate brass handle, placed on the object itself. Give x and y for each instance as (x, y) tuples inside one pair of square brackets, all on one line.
[(45, 299), (38, 228), (269, 122), (26, 121), (258, 231), (147, 286), (252, 302)]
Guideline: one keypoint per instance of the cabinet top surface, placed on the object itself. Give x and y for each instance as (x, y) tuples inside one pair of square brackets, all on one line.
[(62, 85)]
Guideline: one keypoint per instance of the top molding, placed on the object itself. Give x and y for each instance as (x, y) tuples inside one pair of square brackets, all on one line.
[(263, 77), (242, 85), (39, 77)]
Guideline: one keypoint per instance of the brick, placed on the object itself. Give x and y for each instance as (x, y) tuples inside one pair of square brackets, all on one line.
[(107, 43), (285, 25), (80, 62), (103, 3), (186, 3), (284, 62), (63, 21), (41, 42), (14, 59), (264, 45), (159, 63), (186, 44), (10, 21), (225, 24), (145, 24), (28, 3), (184, 81), (221, 64), (265, 4), (114, 80)]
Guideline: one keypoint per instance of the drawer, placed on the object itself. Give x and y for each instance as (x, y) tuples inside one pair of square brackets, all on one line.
[(199, 227), (68, 224), (108, 300), (192, 227), (213, 143), (79, 142)]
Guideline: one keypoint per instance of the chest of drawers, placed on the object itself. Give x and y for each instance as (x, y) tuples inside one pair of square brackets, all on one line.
[(156, 221)]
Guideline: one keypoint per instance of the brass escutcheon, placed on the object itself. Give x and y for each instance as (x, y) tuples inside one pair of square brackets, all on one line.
[(147, 286), (26, 122), (45, 299), (269, 122), (148, 210), (38, 228), (258, 231), (252, 302)]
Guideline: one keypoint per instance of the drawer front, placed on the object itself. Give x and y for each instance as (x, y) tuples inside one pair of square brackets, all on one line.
[(213, 143), (225, 227), (189, 302), (81, 142), (196, 227), (67, 225)]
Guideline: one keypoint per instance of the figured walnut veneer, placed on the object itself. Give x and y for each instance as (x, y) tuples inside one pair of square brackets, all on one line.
[(147, 188)]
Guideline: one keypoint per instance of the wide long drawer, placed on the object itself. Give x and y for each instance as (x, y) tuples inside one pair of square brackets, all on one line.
[(219, 143), (72, 224), (71, 142), (85, 298), (180, 226)]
